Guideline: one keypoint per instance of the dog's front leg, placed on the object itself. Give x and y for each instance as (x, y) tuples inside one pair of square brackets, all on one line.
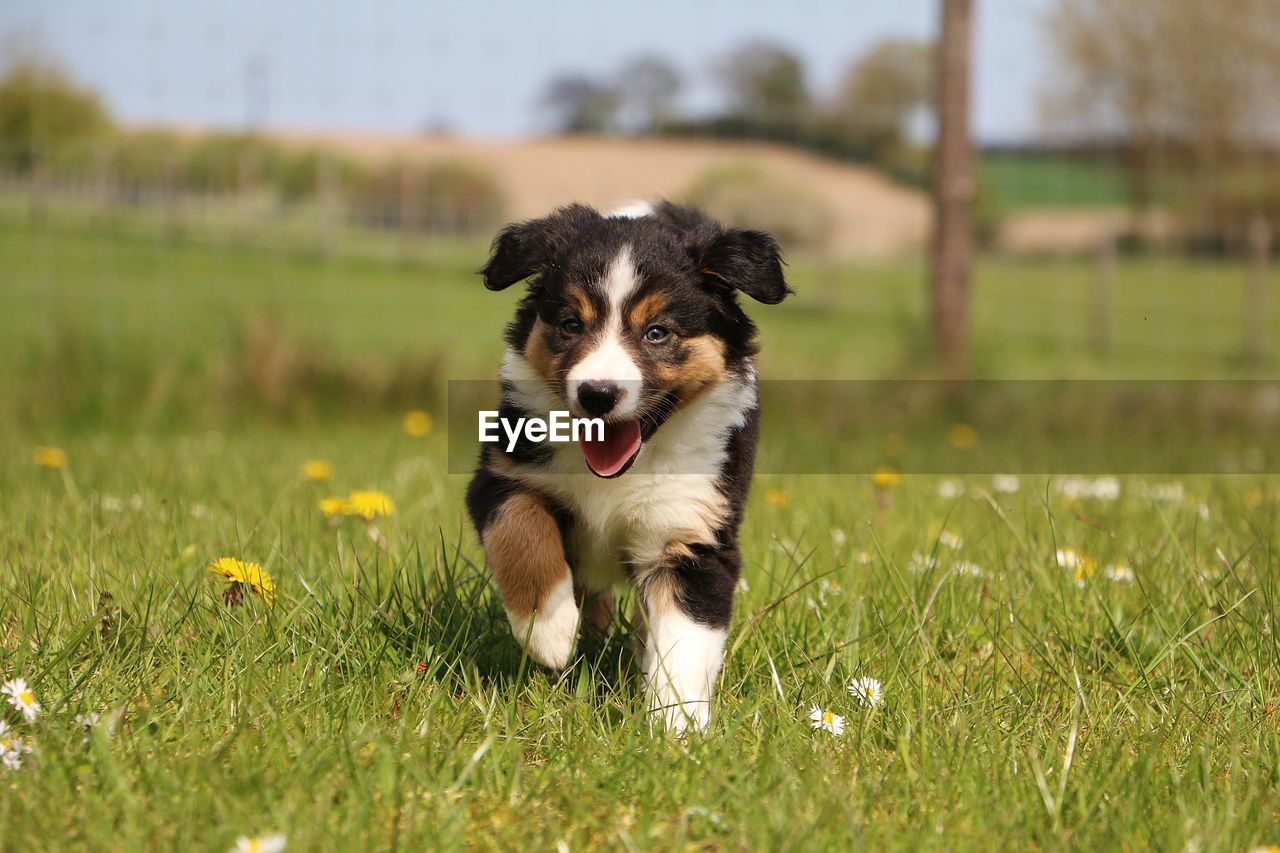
[(523, 547), (687, 602)]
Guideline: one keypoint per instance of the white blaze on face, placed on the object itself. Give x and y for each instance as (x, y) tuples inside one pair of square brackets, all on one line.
[(610, 361)]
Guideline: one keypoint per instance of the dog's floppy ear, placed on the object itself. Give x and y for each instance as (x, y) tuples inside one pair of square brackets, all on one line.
[(528, 248), (742, 259)]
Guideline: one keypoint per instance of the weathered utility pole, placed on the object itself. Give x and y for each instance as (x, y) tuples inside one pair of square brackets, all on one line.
[(954, 189)]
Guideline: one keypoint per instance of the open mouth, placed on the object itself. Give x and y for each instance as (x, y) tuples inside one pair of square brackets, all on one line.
[(613, 455)]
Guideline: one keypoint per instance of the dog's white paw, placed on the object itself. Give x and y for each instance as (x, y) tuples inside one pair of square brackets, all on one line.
[(550, 634), (681, 660)]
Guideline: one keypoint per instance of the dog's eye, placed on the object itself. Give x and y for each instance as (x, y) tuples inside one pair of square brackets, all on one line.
[(656, 334), (571, 326)]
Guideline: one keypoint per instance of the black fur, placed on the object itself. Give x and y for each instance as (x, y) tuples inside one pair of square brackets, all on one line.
[(699, 267)]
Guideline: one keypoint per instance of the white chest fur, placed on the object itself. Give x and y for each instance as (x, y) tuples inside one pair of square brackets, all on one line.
[(670, 494)]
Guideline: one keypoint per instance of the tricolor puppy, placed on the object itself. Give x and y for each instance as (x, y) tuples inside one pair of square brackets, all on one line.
[(632, 318)]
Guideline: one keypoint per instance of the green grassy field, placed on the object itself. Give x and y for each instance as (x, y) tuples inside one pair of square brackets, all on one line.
[(1052, 180), (382, 703)]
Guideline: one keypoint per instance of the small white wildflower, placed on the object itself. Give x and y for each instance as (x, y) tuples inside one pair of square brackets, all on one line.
[(1005, 484), (11, 748), (1106, 488), (743, 585), (950, 540), (21, 697), (273, 843), (968, 569), (111, 503), (921, 563), (1073, 488), (949, 489), (1203, 510), (1078, 488), (1169, 492), (1119, 574), (868, 691), (88, 721), (838, 536), (1068, 558), (865, 558), (826, 720)]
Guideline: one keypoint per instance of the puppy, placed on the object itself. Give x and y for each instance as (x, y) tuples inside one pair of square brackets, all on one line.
[(632, 318)]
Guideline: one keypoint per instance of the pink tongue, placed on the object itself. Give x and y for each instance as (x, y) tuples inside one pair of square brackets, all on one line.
[(608, 457)]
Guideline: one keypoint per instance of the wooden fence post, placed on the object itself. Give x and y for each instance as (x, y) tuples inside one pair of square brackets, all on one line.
[(954, 189)]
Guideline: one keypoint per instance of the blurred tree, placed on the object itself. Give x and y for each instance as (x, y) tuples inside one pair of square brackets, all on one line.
[(1176, 82), (41, 107), (648, 86), (766, 85), (882, 91), (581, 105)]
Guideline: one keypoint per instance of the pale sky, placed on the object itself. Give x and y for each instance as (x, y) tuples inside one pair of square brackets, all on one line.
[(476, 67)]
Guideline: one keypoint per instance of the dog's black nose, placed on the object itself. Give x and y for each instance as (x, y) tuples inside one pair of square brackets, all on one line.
[(598, 398)]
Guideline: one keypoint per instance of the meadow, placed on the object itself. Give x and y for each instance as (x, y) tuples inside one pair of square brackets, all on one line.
[(1066, 663)]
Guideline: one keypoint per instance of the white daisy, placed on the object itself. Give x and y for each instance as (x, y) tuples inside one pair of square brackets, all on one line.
[(1073, 488), (1102, 489), (827, 720), (949, 489), (273, 843), (11, 748), (1106, 489), (950, 540), (88, 721), (1119, 574), (867, 691), (921, 563), (1069, 558), (21, 697), (1006, 484)]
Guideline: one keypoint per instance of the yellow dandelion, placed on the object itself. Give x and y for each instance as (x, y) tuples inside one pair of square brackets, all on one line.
[(1083, 566), (239, 572), (369, 504), (962, 436), (886, 478), (50, 457), (333, 507), (776, 497), (417, 423), (317, 470)]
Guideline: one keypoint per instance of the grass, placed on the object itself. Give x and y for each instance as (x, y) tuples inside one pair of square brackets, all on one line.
[(382, 703), (1021, 181), (1019, 705)]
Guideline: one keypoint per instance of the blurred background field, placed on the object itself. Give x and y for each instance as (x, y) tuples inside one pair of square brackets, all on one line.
[(236, 239), (161, 267)]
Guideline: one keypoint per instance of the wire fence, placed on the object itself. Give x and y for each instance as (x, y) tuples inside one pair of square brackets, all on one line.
[(1100, 245)]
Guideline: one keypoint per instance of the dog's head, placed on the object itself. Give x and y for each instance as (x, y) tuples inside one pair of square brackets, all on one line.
[(630, 318)]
